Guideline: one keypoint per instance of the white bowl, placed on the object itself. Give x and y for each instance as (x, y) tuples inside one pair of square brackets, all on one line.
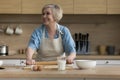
[(1, 62), (85, 64)]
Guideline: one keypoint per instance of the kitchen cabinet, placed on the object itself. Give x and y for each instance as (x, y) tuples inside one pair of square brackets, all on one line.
[(10, 6), (56, 79), (22, 62), (14, 62), (34, 7), (102, 79), (11, 62), (90, 7), (108, 62), (38, 79), (68, 6), (113, 6)]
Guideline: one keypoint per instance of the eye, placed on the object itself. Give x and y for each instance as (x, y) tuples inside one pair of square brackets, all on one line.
[(47, 13)]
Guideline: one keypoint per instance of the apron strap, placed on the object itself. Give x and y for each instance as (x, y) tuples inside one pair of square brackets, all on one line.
[(58, 28)]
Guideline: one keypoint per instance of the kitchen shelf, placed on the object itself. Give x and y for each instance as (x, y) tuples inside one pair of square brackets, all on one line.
[(93, 57)]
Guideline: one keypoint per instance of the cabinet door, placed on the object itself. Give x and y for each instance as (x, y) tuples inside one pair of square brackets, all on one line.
[(56, 79), (113, 6), (108, 62), (11, 62), (90, 6), (10, 6), (35, 6), (103, 79), (67, 5)]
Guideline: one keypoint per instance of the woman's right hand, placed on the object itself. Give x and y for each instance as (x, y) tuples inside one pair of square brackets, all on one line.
[(30, 62)]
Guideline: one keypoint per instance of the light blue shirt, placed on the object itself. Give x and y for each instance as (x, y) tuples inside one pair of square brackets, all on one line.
[(67, 40)]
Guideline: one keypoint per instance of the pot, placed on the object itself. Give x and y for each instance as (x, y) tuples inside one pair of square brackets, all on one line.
[(3, 50)]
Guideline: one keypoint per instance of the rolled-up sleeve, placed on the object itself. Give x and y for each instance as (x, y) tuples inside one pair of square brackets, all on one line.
[(68, 42), (34, 41)]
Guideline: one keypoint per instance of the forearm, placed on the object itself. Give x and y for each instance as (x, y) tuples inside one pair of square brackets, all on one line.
[(29, 53)]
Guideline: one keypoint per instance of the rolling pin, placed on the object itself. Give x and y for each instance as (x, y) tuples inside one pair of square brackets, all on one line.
[(47, 63)]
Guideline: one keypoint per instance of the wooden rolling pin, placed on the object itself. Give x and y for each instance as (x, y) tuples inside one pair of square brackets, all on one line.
[(46, 63)]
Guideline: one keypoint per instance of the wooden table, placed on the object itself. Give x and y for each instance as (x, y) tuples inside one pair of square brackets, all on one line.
[(98, 72)]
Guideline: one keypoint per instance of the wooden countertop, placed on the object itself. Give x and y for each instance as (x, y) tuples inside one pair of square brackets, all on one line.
[(95, 57), (98, 72)]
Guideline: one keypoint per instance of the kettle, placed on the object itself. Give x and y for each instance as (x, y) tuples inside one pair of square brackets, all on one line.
[(3, 50)]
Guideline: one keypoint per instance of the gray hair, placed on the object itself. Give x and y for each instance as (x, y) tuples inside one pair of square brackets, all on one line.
[(56, 10)]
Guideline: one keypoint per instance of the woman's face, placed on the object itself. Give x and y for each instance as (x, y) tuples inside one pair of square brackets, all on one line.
[(47, 16)]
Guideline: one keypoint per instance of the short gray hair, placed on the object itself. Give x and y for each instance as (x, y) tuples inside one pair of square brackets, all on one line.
[(57, 11)]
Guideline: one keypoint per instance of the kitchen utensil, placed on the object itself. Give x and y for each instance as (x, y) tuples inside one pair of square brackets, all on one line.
[(3, 50), (102, 49), (18, 30), (84, 44), (87, 42), (85, 64), (76, 41), (9, 30), (79, 44), (110, 50)]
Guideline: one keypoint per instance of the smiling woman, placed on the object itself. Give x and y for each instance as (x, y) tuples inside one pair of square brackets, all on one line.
[(55, 10), (51, 39)]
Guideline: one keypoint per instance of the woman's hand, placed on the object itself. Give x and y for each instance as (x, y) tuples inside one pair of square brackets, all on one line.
[(30, 62), (70, 58), (29, 54)]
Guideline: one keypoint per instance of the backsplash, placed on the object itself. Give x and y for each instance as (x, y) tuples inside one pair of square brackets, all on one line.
[(14, 41), (102, 29)]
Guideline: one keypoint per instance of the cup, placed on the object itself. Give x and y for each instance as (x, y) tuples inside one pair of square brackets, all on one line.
[(102, 49), (18, 30), (110, 50), (9, 30), (61, 63)]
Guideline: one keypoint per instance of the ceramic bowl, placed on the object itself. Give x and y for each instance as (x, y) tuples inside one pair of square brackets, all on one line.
[(85, 64)]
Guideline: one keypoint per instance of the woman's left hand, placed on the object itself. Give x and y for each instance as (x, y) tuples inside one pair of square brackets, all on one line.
[(70, 58)]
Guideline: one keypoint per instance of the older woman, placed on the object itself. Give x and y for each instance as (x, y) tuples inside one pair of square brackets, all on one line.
[(51, 40)]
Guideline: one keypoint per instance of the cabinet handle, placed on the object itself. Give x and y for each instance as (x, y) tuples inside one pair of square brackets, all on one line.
[(22, 62), (107, 62)]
